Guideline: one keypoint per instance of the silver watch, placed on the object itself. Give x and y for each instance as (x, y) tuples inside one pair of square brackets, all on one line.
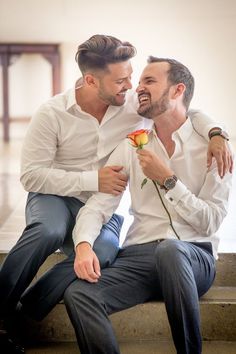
[(170, 182)]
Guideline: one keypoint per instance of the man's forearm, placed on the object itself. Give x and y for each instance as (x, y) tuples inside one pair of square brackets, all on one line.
[(60, 182)]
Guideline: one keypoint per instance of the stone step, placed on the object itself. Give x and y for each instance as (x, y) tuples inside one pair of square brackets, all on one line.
[(226, 270), (225, 276), (134, 347), (149, 321)]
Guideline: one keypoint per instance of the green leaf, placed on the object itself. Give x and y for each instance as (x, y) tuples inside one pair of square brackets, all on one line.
[(144, 182)]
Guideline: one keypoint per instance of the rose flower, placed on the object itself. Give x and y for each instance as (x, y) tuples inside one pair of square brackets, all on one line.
[(138, 138)]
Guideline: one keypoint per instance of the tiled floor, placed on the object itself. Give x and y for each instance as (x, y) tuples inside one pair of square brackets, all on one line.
[(12, 198)]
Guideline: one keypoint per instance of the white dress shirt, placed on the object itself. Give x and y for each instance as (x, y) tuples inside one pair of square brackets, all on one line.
[(197, 204), (64, 146)]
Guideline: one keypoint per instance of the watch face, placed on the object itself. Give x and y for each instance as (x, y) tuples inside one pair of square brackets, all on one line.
[(170, 182)]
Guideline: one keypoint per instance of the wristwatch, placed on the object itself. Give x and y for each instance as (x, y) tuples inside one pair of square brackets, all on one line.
[(170, 182), (219, 132)]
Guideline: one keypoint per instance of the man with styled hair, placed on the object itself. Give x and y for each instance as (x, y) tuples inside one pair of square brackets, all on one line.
[(98, 51), (69, 140), (170, 249)]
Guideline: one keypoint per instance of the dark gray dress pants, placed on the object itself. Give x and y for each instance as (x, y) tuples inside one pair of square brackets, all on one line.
[(49, 223), (174, 271)]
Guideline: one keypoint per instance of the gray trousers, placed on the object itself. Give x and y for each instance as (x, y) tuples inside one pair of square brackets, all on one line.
[(49, 223), (174, 271)]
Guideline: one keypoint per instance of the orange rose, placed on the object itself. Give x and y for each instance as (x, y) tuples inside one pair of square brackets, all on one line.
[(138, 138)]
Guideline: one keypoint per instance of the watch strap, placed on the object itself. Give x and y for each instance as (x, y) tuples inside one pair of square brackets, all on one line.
[(218, 132)]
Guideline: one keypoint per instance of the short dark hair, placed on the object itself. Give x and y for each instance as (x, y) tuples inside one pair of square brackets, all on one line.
[(178, 73), (100, 50)]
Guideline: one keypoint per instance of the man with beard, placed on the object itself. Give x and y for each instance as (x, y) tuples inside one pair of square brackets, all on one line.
[(68, 142), (170, 249)]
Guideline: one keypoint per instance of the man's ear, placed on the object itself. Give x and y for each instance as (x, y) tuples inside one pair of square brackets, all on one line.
[(90, 80), (178, 90)]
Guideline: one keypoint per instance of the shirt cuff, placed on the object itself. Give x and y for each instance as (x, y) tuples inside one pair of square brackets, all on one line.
[(78, 239), (90, 181), (174, 195), (208, 127)]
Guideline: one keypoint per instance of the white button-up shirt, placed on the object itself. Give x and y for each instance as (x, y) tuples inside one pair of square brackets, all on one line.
[(197, 204), (64, 146)]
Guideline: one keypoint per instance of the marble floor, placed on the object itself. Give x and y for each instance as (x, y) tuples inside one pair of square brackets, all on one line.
[(12, 197)]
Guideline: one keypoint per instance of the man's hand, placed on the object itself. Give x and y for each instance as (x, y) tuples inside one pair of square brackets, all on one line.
[(152, 166), (219, 149), (86, 264), (111, 180)]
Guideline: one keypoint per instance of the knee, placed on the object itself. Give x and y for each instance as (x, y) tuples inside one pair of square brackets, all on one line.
[(77, 295), (171, 254), (46, 232)]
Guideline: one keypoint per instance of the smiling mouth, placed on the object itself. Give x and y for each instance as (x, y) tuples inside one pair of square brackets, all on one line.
[(143, 98), (121, 94)]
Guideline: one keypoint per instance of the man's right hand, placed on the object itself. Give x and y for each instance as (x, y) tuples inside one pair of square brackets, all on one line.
[(86, 264), (111, 180)]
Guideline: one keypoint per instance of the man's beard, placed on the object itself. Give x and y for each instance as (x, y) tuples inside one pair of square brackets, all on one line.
[(109, 99), (157, 108)]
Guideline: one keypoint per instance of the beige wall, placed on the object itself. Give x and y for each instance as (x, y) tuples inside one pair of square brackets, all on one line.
[(200, 33)]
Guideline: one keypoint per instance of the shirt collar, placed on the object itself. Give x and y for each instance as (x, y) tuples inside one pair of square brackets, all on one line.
[(184, 132), (111, 112), (71, 101)]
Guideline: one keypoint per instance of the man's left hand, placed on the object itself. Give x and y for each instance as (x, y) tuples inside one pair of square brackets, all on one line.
[(219, 149), (153, 167), (86, 264)]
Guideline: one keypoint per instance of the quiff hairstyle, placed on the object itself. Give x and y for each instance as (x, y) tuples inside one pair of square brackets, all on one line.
[(178, 73), (100, 50)]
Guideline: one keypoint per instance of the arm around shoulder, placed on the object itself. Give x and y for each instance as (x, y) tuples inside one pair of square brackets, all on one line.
[(202, 123), (218, 147)]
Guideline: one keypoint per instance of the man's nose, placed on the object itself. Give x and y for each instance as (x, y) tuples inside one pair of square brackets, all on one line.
[(139, 88), (128, 84)]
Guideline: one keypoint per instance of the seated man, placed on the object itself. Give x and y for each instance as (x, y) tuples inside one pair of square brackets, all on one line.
[(68, 142), (170, 249)]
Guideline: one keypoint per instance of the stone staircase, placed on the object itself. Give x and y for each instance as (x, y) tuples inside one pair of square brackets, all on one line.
[(144, 328)]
